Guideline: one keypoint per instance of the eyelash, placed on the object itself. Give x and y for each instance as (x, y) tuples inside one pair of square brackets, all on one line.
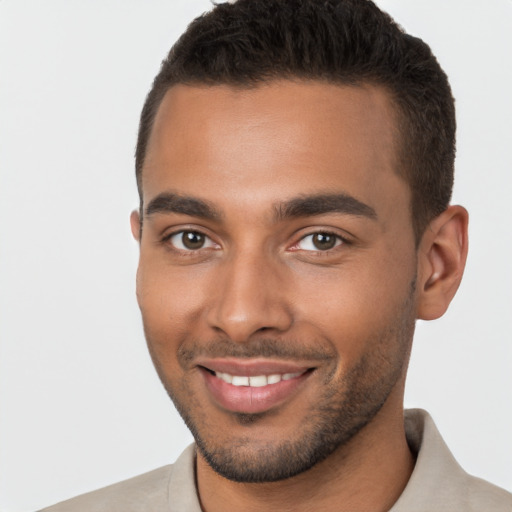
[(167, 240), (339, 240)]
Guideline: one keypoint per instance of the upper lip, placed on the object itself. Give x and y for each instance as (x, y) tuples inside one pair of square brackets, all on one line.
[(252, 367)]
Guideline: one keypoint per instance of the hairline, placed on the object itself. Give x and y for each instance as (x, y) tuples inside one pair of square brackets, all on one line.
[(400, 121)]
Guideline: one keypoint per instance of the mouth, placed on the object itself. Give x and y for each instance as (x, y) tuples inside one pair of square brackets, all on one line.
[(256, 381), (252, 387)]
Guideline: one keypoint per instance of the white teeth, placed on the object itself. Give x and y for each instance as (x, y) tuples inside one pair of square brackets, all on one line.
[(274, 379), (240, 381), (289, 376), (226, 377), (257, 381)]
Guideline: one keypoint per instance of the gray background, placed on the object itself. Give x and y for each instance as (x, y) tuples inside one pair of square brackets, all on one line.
[(81, 406)]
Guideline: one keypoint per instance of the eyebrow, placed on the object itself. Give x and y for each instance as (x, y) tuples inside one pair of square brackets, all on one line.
[(173, 203), (320, 204), (303, 206)]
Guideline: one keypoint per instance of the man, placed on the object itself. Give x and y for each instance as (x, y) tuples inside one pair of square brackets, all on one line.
[(295, 166)]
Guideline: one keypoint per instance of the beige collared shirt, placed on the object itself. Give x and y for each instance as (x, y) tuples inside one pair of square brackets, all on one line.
[(437, 484)]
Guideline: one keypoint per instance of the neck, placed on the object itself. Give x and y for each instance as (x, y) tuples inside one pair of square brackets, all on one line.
[(368, 473)]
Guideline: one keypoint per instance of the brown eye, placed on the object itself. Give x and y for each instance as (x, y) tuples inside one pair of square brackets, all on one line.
[(324, 241), (319, 242), (190, 241)]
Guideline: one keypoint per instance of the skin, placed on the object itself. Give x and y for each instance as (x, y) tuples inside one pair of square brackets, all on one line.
[(258, 283)]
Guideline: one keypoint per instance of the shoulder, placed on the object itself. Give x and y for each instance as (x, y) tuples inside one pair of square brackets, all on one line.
[(138, 493), (169, 487), (482, 495), (438, 482)]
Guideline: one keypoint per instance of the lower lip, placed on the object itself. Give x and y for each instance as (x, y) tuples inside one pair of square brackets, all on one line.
[(246, 399)]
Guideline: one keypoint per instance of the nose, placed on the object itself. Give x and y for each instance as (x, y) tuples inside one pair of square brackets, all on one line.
[(250, 298)]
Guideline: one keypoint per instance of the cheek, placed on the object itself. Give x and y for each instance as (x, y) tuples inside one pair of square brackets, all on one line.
[(354, 306), (170, 301)]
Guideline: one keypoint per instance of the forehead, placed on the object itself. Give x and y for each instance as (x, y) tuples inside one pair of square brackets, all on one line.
[(275, 140)]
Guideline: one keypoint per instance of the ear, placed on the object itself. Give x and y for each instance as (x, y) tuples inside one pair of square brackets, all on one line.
[(441, 260), (135, 225)]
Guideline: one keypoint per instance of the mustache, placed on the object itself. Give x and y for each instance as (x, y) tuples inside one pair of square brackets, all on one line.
[(261, 347)]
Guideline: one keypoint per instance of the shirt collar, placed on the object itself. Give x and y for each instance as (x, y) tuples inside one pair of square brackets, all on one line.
[(425, 491)]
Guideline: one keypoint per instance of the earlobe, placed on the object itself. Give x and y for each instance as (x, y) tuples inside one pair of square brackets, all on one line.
[(135, 225), (441, 261)]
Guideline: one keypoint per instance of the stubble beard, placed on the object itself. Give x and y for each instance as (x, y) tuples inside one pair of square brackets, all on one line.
[(343, 410)]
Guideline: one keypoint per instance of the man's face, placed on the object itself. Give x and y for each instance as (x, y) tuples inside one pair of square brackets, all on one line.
[(277, 269)]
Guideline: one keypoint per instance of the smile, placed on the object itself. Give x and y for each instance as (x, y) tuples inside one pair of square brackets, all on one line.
[(250, 387), (257, 381)]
